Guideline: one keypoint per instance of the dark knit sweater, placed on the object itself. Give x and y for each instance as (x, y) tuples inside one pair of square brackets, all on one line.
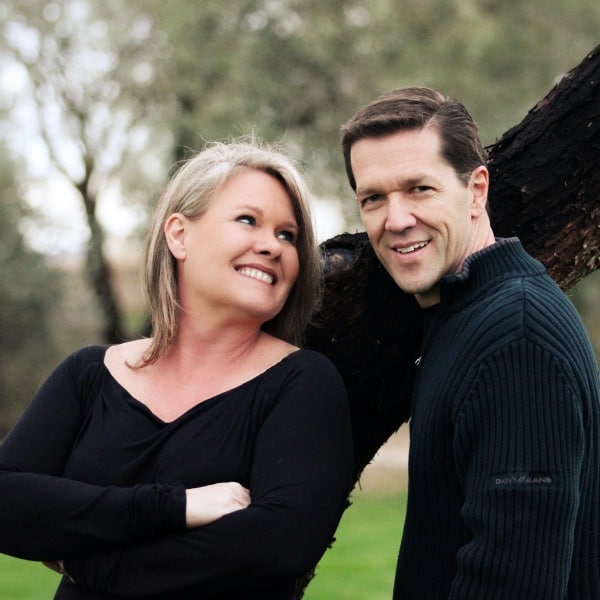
[(504, 467)]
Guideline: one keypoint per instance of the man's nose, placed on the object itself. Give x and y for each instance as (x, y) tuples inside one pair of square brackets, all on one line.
[(400, 214)]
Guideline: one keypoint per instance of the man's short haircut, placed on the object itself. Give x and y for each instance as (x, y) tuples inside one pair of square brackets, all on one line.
[(416, 108)]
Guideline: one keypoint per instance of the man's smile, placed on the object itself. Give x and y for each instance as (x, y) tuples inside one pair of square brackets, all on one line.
[(411, 248)]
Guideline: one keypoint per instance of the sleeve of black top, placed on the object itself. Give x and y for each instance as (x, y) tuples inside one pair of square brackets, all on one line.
[(520, 444), (47, 517), (301, 477)]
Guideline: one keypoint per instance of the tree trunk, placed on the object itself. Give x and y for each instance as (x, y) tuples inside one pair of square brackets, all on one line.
[(372, 332), (545, 175), (545, 189), (99, 275), (97, 268)]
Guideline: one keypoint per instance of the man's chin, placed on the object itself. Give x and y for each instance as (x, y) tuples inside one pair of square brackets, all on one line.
[(425, 294)]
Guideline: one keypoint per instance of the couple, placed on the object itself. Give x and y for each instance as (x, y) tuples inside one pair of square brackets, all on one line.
[(214, 459)]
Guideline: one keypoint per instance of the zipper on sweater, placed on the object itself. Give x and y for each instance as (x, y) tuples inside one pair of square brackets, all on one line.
[(429, 315)]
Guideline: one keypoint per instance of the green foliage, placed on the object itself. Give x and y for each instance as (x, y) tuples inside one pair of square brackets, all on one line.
[(288, 70), (294, 70), (26, 295)]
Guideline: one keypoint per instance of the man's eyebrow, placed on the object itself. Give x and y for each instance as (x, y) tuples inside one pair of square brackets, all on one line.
[(367, 190), (412, 181), (418, 179)]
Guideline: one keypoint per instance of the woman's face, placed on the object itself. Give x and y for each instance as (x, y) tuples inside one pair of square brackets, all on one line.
[(239, 257)]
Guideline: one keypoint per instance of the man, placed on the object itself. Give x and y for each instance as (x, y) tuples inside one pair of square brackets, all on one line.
[(504, 465)]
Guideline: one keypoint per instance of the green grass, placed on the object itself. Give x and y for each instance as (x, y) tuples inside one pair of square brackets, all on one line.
[(362, 562), (25, 580), (360, 565)]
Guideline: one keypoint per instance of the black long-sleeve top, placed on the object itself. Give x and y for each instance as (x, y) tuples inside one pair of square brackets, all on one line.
[(90, 475), (504, 464)]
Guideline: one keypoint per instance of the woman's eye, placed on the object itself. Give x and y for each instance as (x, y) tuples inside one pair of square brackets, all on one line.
[(247, 219), (288, 236)]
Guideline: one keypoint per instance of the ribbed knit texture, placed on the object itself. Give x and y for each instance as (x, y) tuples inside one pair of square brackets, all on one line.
[(504, 468)]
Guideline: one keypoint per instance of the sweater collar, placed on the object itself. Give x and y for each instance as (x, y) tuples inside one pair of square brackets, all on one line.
[(506, 258)]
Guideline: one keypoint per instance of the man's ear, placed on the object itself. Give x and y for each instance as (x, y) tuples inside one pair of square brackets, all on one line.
[(479, 184), (175, 235)]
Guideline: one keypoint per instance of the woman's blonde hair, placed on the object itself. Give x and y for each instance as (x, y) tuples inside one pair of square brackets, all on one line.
[(189, 192)]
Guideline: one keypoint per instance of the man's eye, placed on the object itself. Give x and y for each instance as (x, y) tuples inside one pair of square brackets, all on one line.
[(372, 199), (247, 219)]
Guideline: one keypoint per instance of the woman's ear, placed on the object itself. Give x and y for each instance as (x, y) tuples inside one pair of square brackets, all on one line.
[(479, 185), (175, 235)]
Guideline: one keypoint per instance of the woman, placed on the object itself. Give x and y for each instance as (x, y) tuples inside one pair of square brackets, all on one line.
[(214, 459)]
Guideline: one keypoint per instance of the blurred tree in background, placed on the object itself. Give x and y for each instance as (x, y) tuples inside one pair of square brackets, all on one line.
[(294, 70), (110, 93), (92, 75), (27, 293)]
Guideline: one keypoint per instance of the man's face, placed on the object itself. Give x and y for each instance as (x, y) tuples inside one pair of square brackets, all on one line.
[(422, 221)]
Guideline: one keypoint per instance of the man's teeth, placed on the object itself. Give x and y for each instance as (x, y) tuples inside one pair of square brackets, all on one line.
[(412, 248), (256, 274)]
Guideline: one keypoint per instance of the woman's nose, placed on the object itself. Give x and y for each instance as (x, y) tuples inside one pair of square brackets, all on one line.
[(268, 244)]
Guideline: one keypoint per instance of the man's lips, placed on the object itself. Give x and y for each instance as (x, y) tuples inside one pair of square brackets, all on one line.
[(408, 249)]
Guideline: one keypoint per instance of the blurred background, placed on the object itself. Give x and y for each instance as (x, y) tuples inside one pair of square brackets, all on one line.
[(100, 98)]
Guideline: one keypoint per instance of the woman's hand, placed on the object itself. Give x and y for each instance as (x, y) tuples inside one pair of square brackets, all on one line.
[(210, 502)]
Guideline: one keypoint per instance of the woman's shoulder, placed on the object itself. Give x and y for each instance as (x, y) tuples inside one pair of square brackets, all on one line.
[(126, 353), (307, 379), (284, 355), (309, 365), (83, 368), (313, 357), (87, 356)]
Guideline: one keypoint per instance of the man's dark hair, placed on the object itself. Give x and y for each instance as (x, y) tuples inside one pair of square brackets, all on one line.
[(417, 108)]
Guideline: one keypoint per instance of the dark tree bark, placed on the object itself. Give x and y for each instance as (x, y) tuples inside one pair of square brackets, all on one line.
[(545, 175), (545, 189), (372, 332)]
